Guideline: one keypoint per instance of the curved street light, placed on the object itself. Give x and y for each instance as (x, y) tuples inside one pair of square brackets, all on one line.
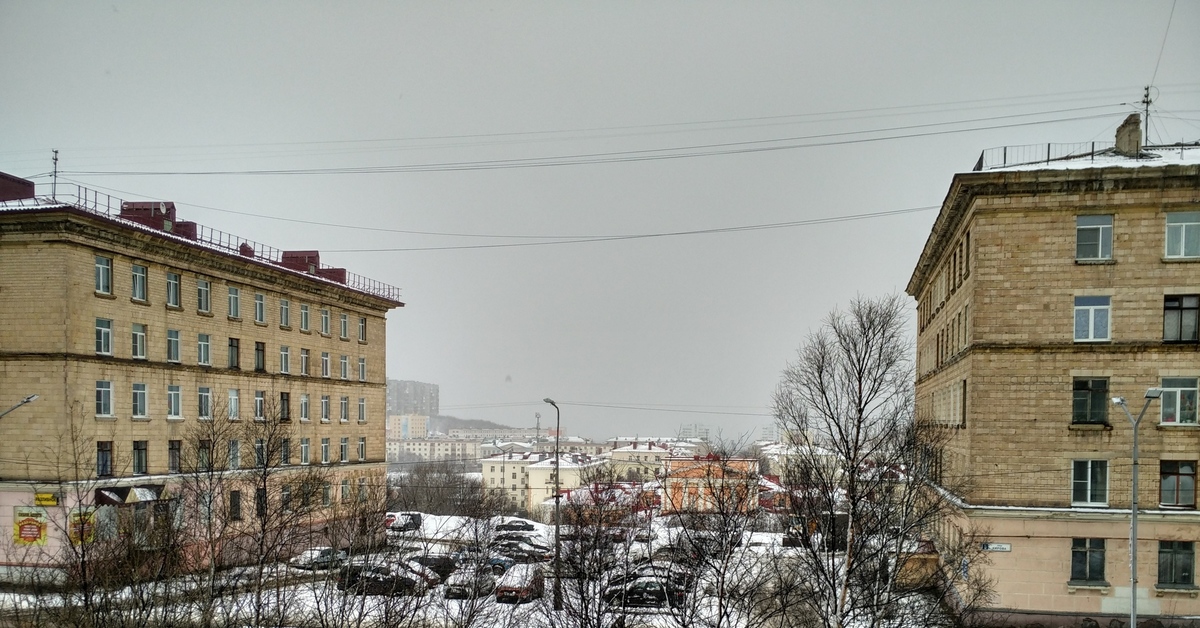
[(558, 605), (1151, 395), (29, 399)]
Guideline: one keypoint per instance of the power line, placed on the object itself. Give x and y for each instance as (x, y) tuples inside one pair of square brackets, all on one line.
[(1164, 43)]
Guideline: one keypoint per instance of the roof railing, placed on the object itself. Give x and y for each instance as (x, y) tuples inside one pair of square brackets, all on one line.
[(1005, 156)]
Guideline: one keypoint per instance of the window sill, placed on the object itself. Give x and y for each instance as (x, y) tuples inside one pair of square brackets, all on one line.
[(106, 417), (174, 308), (203, 313), (1176, 426), (1189, 590), (344, 338), (362, 342), (343, 420), (260, 323), (175, 419), (324, 420), (1177, 507), (1088, 505), (140, 419), (325, 334), (1090, 427), (1094, 262), (1180, 260), (1097, 341), (235, 319), (285, 328), (306, 331), (106, 295), (137, 301)]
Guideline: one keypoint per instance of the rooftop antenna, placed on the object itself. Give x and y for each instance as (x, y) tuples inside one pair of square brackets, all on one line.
[(54, 177), (1146, 115)]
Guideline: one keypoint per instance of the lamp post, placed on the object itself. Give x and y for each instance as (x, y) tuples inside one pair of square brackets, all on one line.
[(557, 499), (29, 399), (1151, 395)]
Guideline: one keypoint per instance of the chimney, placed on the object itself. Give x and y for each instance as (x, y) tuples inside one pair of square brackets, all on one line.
[(14, 188), (1129, 136)]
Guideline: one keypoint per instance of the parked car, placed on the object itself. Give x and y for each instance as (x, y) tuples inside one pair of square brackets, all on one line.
[(382, 575), (473, 556), (515, 525), (318, 558), (645, 592), (441, 564), (470, 582), (522, 552), (521, 583), (677, 574), (402, 521)]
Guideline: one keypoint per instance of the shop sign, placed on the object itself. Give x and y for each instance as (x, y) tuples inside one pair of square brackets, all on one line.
[(30, 525)]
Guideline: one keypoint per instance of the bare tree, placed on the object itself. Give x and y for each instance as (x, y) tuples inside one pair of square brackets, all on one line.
[(866, 499)]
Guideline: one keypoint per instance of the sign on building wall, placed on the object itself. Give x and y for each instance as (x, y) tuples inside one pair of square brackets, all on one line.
[(30, 525), (81, 525)]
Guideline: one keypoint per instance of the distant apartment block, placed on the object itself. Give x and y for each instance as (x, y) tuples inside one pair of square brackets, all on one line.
[(408, 397)]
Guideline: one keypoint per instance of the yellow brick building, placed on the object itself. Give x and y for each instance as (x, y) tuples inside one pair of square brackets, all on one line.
[(1044, 290), (134, 328)]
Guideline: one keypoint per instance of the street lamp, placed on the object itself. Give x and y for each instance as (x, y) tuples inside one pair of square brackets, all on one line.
[(1151, 395), (557, 516), (29, 399)]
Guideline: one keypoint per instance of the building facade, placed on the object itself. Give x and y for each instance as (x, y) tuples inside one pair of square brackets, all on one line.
[(139, 331), (409, 397), (1045, 290)]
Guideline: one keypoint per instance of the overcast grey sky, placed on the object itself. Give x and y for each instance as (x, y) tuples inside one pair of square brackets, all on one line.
[(688, 328)]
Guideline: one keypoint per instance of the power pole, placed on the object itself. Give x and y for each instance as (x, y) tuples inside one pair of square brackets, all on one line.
[(54, 177), (1146, 116)]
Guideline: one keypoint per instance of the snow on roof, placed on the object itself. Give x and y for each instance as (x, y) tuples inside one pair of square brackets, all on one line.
[(1150, 157)]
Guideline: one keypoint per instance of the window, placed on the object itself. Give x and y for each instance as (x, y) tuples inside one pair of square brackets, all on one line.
[(1183, 234), (325, 498), (260, 452), (304, 407), (1087, 560), (1091, 319), (203, 355), (139, 341), (235, 455), (260, 502), (1089, 483), (324, 364), (104, 392), (172, 345), (104, 458), (260, 405), (1093, 237), (344, 449), (235, 302), (1179, 400), (1175, 561), (260, 357), (203, 295), (362, 369), (285, 451), (344, 326), (138, 286), (1180, 315), (362, 409), (174, 453), (235, 505), (260, 308), (1177, 486), (285, 498), (234, 353), (174, 401), (103, 336), (174, 289), (362, 329), (345, 367), (344, 409), (303, 451), (346, 489), (324, 451), (1090, 404), (285, 406), (362, 448), (139, 400), (204, 450), (285, 313), (325, 408), (103, 275), (285, 365), (204, 402), (304, 361), (362, 489), (233, 404), (303, 317), (140, 462), (325, 321)]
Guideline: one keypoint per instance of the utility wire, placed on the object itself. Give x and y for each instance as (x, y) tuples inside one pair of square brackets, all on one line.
[(1163, 47)]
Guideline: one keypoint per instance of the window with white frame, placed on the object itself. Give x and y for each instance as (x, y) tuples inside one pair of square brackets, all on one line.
[(172, 345), (344, 450), (104, 458), (1093, 237), (344, 415), (1089, 483), (104, 394), (324, 364), (260, 405), (233, 404), (324, 451), (103, 336), (285, 365), (1183, 234), (285, 452), (203, 350), (204, 402), (304, 361), (1181, 314), (139, 341), (203, 295), (138, 285), (345, 366), (174, 289), (325, 408), (139, 400), (104, 269), (304, 451), (304, 407), (1178, 400), (344, 326), (260, 452), (362, 409), (1092, 319), (325, 321), (174, 401), (235, 302), (235, 454), (362, 329), (303, 317), (362, 448), (362, 369), (260, 308), (1177, 483), (285, 313)]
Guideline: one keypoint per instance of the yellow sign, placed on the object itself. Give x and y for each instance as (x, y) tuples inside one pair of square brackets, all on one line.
[(30, 525), (81, 525), (45, 499)]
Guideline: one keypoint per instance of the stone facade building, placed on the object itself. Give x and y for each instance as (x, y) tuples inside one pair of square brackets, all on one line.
[(1044, 290)]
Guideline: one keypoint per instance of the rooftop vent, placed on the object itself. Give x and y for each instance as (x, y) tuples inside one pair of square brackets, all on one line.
[(1129, 136)]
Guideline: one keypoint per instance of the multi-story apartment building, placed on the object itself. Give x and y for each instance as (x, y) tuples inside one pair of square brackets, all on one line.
[(136, 330), (527, 479), (1044, 290), (438, 449), (707, 484), (409, 397), (639, 462)]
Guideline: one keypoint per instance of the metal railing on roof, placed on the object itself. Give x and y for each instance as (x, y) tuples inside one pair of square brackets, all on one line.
[(108, 206), (1005, 156)]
